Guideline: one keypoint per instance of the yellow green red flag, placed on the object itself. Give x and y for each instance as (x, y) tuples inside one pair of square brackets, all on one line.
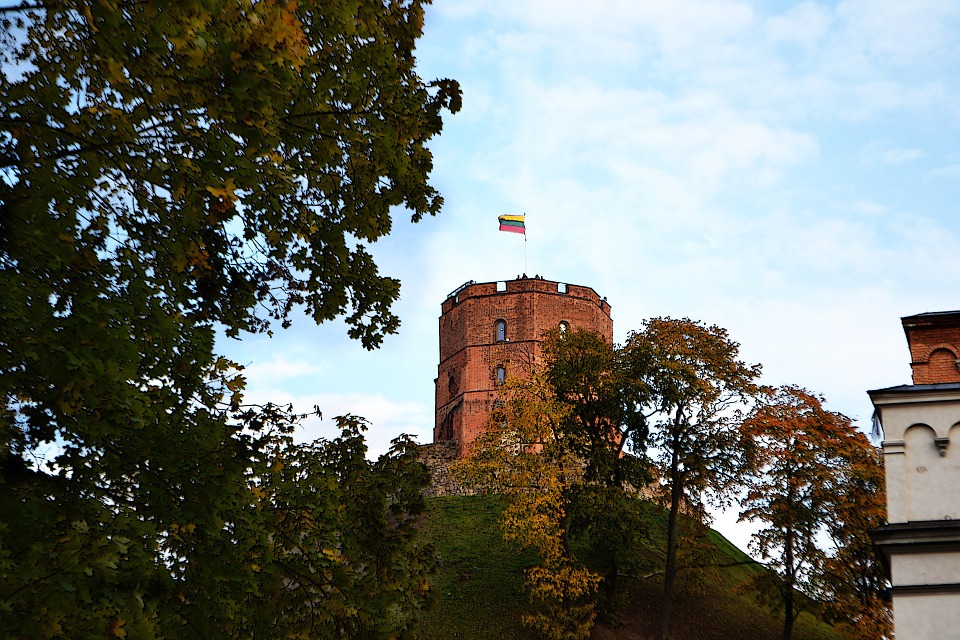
[(513, 224)]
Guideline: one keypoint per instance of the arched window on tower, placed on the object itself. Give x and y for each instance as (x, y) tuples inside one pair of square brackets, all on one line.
[(501, 330), (501, 375)]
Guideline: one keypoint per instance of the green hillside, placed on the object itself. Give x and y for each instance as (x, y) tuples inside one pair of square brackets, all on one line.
[(480, 593)]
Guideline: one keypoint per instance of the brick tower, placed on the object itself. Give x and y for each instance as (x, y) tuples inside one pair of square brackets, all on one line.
[(492, 330), (921, 452)]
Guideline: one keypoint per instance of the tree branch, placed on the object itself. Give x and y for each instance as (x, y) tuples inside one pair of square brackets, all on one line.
[(22, 7)]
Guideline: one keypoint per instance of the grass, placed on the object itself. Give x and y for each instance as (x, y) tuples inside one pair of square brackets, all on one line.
[(481, 596), (480, 580)]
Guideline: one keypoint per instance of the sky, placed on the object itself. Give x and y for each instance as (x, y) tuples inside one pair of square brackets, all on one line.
[(787, 171)]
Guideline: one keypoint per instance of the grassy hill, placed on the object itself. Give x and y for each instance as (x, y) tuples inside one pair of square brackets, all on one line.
[(480, 588)]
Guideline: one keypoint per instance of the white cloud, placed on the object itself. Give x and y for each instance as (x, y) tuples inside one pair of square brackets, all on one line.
[(947, 172), (870, 207), (900, 33), (805, 24), (878, 151), (387, 417), (282, 367), (582, 128)]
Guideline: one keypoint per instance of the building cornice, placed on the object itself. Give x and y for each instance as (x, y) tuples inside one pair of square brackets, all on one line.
[(910, 536), (927, 536), (914, 393)]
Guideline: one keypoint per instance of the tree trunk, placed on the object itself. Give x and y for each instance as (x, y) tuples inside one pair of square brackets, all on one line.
[(676, 495), (788, 616), (611, 584), (790, 572)]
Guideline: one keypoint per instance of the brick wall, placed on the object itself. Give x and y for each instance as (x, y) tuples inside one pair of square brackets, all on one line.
[(934, 341), (470, 353)]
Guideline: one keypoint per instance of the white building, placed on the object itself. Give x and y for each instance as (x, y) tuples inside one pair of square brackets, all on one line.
[(921, 449)]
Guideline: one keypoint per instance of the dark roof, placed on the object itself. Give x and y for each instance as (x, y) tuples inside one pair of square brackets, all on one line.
[(929, 314), (929, 320), (917, 525), (917, 388)]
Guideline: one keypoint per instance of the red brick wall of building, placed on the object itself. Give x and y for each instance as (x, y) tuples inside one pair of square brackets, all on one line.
[(934, 341), (466, 384)]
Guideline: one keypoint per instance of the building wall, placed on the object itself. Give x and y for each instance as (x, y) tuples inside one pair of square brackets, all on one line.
[(921, 446), (921, 451), (927, 568), (925, 616), (470, 353), (934, 339)]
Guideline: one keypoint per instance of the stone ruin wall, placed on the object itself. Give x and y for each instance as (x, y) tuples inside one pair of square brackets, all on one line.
[(439, 456)]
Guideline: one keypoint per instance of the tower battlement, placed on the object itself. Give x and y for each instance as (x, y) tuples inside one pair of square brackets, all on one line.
[(492, 330)]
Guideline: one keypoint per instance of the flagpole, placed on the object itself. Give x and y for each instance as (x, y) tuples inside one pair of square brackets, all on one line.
[(516, 224), (525, 243)]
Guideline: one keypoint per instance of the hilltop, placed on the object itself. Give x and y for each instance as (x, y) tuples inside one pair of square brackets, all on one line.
[(480, 595)]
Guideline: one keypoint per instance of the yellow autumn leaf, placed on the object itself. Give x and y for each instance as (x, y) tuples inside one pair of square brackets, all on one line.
[(330, 554), (227, 191), (116, 628)]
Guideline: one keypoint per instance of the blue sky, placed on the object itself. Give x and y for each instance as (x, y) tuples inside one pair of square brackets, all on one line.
[(789, 171)]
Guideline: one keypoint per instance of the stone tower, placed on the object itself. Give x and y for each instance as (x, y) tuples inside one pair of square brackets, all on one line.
[(921, 453), (492, 330)]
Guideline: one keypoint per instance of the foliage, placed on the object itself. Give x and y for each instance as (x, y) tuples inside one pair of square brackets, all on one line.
[(813, 474), (697, 386), (214, 156), (524, 455), (344, 534), (605, 396), (853, 583), (611, 535), (318, 542), (564, 595), (556, 448), (167, 170), (796, 445)]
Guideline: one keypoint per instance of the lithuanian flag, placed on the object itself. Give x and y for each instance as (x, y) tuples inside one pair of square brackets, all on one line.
[(513, 224)]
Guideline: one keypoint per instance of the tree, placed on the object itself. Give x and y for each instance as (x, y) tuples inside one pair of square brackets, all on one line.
[(228, 154), (168, 170), (524, 455), (343, 558), (606, 397), (813, 475), (697, 387), (796, 446), (853, 583)]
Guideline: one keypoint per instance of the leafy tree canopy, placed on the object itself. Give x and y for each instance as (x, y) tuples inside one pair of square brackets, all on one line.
[(227, 154), (698, 388), (814, 478), (606, 393), (525, 455), (168, 169)]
